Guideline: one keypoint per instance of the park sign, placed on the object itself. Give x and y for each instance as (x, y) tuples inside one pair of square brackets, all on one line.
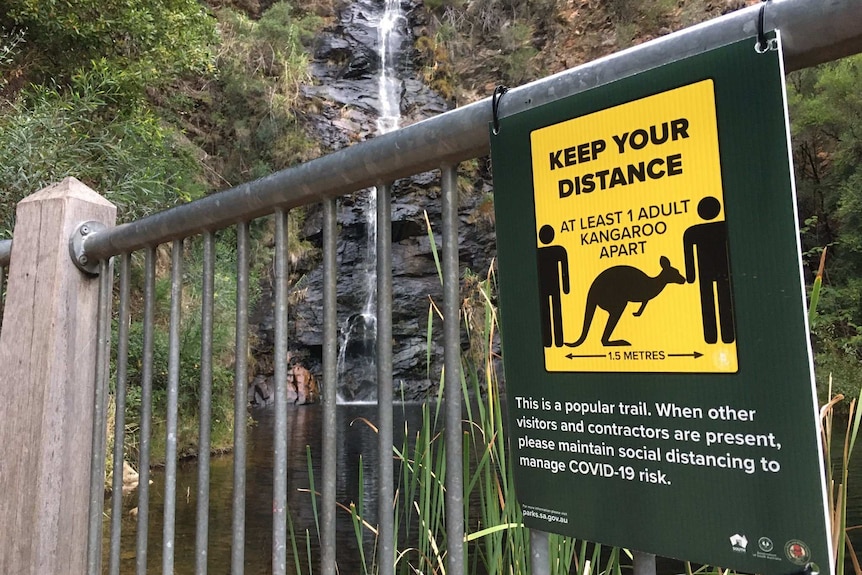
[(658, 370)]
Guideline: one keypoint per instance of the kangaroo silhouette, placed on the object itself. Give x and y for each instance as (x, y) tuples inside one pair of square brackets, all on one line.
[(615, 287)]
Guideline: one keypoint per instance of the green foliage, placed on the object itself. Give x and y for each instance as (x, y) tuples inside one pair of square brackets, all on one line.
[(499, 39), (262, 65), (149, 39), (437, 69), (826, 116), (517, 59), (126, 97), (441, 5), (634, 18), (10, 45), (826, 113), (90, 131)]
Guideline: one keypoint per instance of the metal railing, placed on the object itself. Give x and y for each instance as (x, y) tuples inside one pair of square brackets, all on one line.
[(5, 253), (813, 32)]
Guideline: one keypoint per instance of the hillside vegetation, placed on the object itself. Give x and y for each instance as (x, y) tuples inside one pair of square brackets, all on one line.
[(157, 103), (469, 47)]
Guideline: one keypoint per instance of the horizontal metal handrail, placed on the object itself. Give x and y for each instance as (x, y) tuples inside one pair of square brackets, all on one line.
[(813, 31), (5, 252)]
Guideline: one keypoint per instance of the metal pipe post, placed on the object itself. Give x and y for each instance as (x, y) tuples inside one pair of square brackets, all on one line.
[(5, 256), (330, 383), (540, 557), (169, 528), (386, 491), (146, 413), (279, 487), (100, 409), (643, 563), (2, 286), (5, 252), (205, 409), (120, 416), (452, 369), (237, 555)]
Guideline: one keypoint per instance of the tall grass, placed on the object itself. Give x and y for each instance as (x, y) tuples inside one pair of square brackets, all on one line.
[(836, 483), (496, 541)]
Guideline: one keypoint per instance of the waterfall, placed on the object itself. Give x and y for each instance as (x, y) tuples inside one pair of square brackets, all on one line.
[(389, 85), (359, 332)]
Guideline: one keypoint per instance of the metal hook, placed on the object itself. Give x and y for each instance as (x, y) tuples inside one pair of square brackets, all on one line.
[(763, 44), (495, 106)]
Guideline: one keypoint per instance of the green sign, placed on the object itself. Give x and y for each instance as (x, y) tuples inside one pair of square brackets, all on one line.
[(658, 370)]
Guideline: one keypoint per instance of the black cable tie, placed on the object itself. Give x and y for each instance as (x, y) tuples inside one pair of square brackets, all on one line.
[(495, 106), (762, 43)]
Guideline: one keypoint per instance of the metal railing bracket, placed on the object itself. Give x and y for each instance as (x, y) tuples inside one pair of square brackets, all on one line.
[(76, 246)]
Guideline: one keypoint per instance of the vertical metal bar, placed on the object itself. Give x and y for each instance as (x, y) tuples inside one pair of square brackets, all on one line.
[(452, 381), (205, 410), (540, 557), (100, 405), (2, 286), (386, 491), (330, 381), (173, 397), (279, 487), (643, 563), (237, 555), (120, 417), (146, 413)]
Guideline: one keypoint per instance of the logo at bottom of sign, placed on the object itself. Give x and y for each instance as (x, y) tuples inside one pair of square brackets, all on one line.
[(797, 551), (739, 543)]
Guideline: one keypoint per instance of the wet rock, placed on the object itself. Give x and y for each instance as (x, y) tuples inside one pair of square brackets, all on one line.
[(346, 102), (361, 66), (301, 386), (131, 479), (260, 392)]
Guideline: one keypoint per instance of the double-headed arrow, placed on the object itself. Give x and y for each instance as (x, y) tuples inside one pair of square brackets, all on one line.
[(693, 355)]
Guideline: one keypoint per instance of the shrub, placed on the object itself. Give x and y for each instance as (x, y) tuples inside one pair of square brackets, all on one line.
[(90, 131)]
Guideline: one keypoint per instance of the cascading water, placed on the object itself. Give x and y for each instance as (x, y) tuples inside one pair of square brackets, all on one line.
[(389, 85), (357, 352)]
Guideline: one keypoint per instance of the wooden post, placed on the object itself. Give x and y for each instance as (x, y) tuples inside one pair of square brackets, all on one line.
[(47, 372)]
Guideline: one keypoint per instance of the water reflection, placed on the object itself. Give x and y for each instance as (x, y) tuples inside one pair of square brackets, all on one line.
[(357, 444)]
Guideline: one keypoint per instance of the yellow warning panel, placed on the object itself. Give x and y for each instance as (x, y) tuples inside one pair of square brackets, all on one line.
[(633, 257)]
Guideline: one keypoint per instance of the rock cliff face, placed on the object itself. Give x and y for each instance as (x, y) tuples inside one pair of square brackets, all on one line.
[(345, 97)]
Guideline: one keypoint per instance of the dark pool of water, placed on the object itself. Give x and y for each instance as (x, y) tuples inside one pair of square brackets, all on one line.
[(357, 446)]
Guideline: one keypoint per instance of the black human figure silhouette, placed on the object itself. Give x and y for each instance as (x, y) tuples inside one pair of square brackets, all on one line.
[(553, 270), (706, 258), (615, 287)]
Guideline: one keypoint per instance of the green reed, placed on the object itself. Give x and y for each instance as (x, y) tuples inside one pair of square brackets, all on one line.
[(496, 540)]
